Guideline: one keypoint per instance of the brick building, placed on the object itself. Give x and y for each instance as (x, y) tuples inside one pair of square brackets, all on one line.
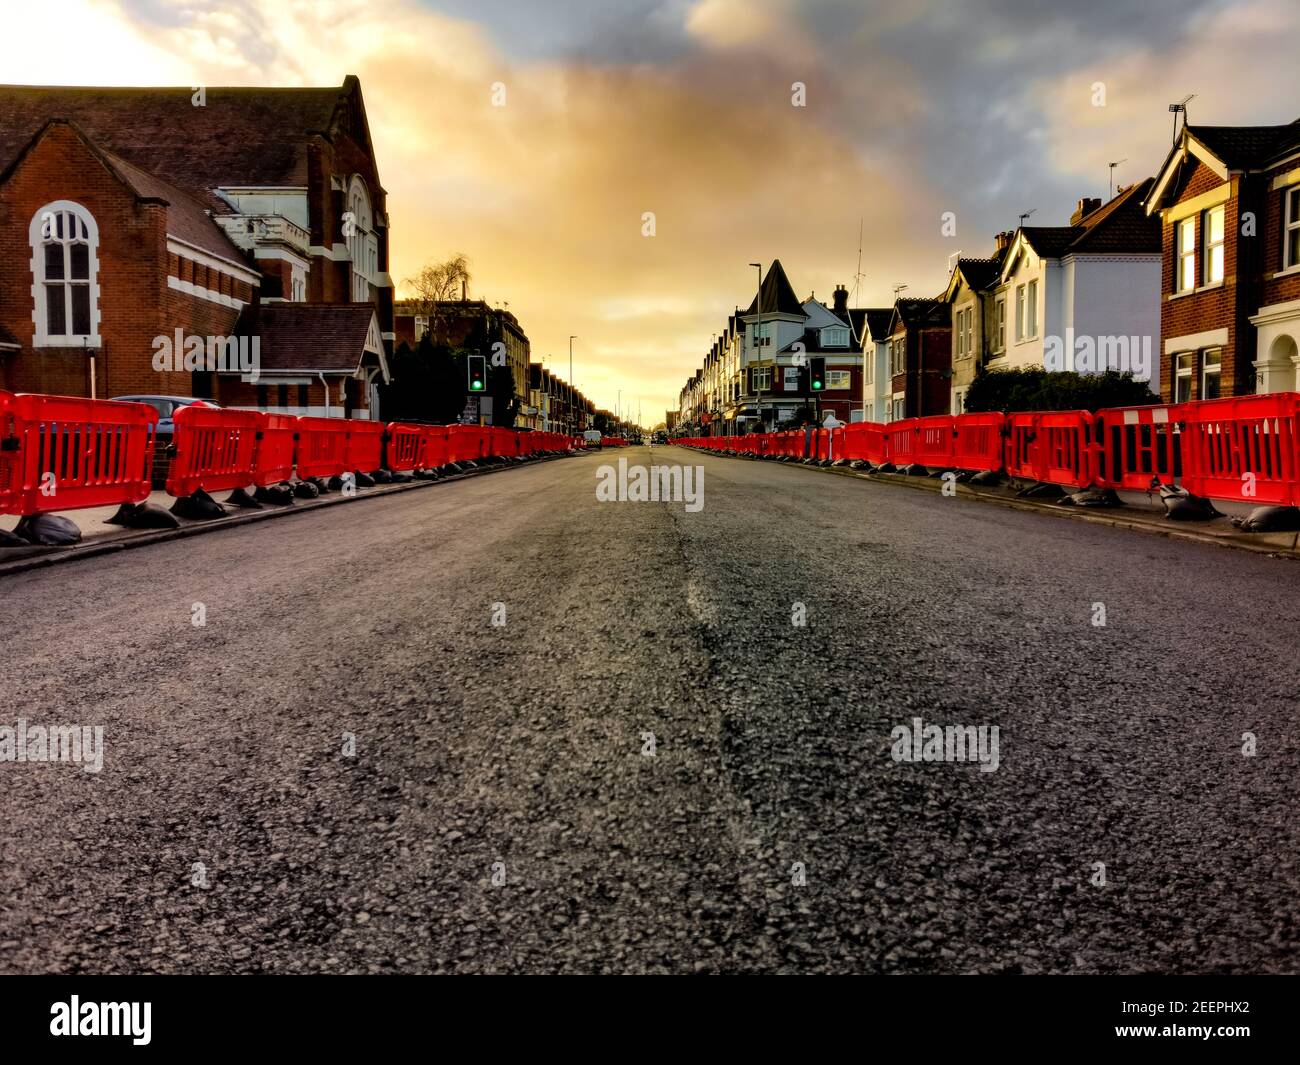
[(1228, 198), (142, 226), (920, 358)]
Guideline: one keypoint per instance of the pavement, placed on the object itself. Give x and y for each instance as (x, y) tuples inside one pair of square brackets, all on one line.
[(594, 737)]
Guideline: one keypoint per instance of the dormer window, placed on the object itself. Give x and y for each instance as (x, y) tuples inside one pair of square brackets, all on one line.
[(65, 271), (834, 336)]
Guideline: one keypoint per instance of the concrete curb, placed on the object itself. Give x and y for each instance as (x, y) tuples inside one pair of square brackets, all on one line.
[(1140, 523), (51, 556)]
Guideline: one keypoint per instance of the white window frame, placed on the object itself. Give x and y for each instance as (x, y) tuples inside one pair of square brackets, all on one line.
[(1217, 355), (1000, 324), (37, 239), (897, 356), (1184, 371), (1020, 312), (843, 376), (1210, 275), (835, 336), (1185, 255), (1290, 226), (363, 248), (961, 334), (760, 379), (1031, 305)]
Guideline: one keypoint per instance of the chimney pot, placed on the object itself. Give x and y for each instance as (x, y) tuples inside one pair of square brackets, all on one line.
[(841, 298), (1086, 206)]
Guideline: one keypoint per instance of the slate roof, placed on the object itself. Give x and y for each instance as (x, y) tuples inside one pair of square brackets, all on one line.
[(329, 337), (923, 313), (241, 137), (778, 296), (1121, 226), (878, 319), (1248, 147)]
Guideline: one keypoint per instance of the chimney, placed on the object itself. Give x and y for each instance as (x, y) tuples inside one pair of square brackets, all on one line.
[(464, 291), (1002, 241), (841, 299), (1086, 206)]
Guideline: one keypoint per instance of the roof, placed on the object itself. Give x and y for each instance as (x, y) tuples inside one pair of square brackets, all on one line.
[(1120, 226), (923, 313), (980, 273), (240, 137), (323, 337), (1248, 147), (187, 219), (878, 320), (778, 296)]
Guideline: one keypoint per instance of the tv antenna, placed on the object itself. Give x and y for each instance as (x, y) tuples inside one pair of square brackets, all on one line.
[(1112, 175), (897, 289), (1181, 109), (1026, 215)]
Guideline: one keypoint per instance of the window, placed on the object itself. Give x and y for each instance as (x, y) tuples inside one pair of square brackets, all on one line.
[(761, 378), (1291, 230), (1020, 312), (965, 333), (958, 401), (835, 337), (1212, 227), (298, 290), (1210, 373), (65, 266), (898, 355), (897, 415), (1000, 325), (961, 334), (1185, 264), (363, 248), (421, 326), (303, 398), (1032, 309), (1184, 366), (763, 334), (869, 369), (838, 379)]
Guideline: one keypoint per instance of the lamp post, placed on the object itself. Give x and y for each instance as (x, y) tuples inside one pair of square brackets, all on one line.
[(758, 329), (572, 338)]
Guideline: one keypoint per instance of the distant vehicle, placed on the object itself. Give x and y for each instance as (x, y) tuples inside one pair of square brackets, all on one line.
[(592, 436), (166, 406)]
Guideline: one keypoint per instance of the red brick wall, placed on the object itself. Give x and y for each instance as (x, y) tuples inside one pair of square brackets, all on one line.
[(132, 270), (1215, 308)]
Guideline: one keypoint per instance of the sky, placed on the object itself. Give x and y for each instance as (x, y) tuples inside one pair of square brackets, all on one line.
[(688, 109)]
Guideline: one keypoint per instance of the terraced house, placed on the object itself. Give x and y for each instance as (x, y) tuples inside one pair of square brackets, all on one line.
[(132, 214), (1228, 202)]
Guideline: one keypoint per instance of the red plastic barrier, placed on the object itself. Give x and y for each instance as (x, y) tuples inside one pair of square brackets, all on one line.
[(322, 447), (365, 446), (933, 444), (1066, 448), (62, 452), (465, 443), (1243, 448), (407, 447), (977, 441), (275, 450), (216, 449), (1020, 457), (900, 441)]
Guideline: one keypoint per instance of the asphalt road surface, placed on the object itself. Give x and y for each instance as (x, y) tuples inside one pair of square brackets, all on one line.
[(503, 812)]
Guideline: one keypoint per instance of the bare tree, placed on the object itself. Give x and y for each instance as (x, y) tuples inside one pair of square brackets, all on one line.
[(438, 283)]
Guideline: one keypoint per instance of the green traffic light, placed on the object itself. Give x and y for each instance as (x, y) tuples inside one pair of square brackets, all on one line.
[(817, 386), (477, 386)]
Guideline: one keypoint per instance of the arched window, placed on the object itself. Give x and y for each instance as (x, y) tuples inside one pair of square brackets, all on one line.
[(363, 248), (65, 271)]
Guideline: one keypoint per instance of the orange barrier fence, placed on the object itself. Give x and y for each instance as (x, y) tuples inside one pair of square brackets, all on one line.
[(62, 453), (1246, 447), (322, 447), (1243, 448), (215, 449)]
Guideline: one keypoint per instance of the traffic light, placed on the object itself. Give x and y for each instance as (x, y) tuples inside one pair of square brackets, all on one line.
[(477, 373), (803, 380), (817, 371)]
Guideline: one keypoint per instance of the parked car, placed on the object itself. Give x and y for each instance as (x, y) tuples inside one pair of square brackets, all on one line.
[(166, 406)]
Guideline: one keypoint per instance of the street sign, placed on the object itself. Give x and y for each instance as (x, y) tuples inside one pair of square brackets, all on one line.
[(469, 416)]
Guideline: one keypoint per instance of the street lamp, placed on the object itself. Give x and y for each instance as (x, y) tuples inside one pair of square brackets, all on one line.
[(758, 329), (572, 338)]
